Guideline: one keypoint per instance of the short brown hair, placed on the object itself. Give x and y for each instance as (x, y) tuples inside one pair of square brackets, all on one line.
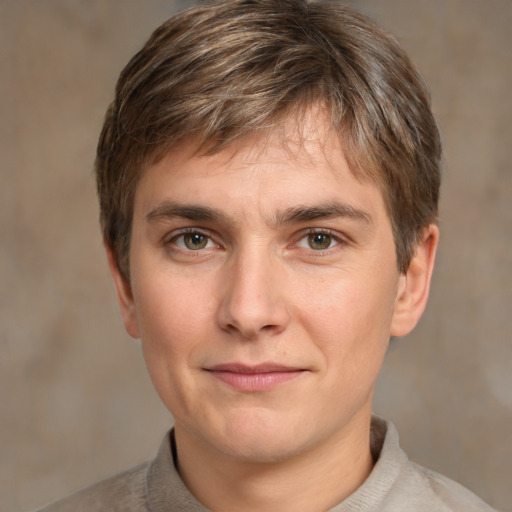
[(222, 70)]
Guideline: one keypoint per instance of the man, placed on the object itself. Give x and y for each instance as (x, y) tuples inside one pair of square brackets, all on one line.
[(268, 176)]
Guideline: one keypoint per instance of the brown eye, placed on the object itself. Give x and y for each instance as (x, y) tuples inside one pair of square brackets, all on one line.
[(319, 241), (194, 241)]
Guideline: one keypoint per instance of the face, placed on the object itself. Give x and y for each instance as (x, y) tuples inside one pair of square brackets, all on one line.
[(264, 288)]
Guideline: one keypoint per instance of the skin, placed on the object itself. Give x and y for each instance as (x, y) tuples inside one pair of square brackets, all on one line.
[(269, 253)]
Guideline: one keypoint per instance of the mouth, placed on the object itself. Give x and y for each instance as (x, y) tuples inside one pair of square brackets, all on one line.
[(262, 377)]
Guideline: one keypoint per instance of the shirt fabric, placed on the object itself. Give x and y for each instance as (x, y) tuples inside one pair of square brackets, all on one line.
[(394, 485)]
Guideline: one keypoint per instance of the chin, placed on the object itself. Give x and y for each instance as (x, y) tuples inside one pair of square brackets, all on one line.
[(259, 439)]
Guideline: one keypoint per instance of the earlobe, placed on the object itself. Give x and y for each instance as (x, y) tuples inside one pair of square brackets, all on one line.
[(414, 285), (124, 295)]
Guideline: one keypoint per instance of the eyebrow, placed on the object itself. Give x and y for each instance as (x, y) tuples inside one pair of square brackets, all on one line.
[(304, 213), (170, 209), (300, 213)]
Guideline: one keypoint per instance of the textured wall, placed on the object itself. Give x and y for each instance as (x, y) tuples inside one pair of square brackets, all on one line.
[(76, 402)]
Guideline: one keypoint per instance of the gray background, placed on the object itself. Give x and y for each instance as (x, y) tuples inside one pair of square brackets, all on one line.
[(76, 403)]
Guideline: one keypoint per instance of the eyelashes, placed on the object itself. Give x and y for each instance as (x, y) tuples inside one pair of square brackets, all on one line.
[(193, 241), (197, 241), (319, 240)]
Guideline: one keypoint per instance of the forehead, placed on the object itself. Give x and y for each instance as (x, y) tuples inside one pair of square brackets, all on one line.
[(261, 175), (307, 140)]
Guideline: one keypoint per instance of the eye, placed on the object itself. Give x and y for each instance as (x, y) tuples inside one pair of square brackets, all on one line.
[(193, 241), (318, 241)]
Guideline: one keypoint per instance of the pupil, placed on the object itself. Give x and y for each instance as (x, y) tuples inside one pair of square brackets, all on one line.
[(195, 241), (319, 241)]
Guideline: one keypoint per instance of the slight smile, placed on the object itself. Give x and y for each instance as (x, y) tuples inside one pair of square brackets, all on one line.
[(262, 377)]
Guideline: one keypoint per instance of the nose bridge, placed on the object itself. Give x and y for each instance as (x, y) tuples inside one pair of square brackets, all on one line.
[(253, 301)]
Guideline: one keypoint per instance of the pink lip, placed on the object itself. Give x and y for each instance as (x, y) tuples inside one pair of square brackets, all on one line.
[(260, 377)]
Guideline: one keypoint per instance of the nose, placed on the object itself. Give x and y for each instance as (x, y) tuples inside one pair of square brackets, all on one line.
[(253, 300)]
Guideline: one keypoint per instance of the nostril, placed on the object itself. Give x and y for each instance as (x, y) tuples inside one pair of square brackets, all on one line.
[(230, 328)]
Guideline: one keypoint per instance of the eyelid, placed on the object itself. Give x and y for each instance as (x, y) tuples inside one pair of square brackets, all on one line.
[(338, 237), (174, 235)]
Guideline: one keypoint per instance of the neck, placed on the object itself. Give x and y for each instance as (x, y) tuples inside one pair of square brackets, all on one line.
[(316, 479)]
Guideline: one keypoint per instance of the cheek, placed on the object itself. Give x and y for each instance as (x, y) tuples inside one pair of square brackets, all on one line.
[(349, 320), (172, 321), (170, 307)]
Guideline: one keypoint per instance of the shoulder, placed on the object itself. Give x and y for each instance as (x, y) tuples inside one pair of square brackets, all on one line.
[(398, 485), (124, 492), (446, 494)]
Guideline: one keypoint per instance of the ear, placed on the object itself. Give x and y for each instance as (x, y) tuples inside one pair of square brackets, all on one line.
[(124, 295), (414, 285)]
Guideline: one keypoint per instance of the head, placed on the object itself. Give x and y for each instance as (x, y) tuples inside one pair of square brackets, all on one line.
[(222, 71), (268, 178)]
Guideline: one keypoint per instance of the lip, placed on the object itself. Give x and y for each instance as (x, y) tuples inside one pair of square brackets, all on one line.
[(261, 377)]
